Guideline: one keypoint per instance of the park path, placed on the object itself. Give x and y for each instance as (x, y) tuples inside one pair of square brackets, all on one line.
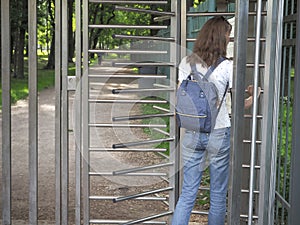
[(46, 160)]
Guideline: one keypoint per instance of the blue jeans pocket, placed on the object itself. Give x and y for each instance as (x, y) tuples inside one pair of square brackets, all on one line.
[(195, 141)]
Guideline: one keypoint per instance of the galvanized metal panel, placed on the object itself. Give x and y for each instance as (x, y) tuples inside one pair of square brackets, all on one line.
[(78, 114), (64, 115), (270, 113), (6, 112), (33, 112), (294, 216), (254, 111), (85, 115), (58, 104), (239, 71)]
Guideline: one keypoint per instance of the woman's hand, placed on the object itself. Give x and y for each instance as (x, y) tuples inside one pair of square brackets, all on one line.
[(249, 100)]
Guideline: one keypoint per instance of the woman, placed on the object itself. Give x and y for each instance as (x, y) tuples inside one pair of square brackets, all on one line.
[(201, 149)]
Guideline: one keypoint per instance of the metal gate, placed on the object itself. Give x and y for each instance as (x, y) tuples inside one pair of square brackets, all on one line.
[(102, 105), (263, 180)]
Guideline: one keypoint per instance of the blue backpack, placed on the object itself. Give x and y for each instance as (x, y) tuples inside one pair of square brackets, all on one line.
[(198, 101)]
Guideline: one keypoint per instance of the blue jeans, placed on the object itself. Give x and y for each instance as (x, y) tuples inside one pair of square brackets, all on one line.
[(201, 150)]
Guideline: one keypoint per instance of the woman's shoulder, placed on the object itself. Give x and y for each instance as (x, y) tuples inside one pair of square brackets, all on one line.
[(184, 61), (226, 64)]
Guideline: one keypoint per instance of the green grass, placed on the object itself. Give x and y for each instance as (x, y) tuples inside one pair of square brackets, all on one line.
[(46, 79), (148, 109)]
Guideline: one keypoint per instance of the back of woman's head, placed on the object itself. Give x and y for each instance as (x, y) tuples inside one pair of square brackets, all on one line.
[(211, 42)]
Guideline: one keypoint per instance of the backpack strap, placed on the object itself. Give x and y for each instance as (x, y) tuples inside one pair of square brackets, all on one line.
[(209, 71), (213, 67), (225, 92)]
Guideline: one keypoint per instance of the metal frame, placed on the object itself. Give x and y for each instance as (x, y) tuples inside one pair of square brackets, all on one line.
[(33, 114), (58, 103), (272, 66), (6, 112), (271, 98), (294, 216), (237, 119)]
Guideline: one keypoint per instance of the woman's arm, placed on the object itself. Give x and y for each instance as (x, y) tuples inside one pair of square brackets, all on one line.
[(249, 100)]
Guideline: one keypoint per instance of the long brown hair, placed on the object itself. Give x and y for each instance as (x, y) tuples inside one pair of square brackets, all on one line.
[(211, 42)]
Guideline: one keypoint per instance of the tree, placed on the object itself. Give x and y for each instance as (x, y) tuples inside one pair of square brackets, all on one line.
[(19, 28), (51, 19)]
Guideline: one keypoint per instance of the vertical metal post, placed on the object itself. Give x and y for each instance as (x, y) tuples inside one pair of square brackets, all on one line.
[(58, 111), (64, 115), (176, 6), (78, 115), (6, 113), (85, 116), (239, 71), (270, 112), (254, 112), (294, 216), (33, 113)]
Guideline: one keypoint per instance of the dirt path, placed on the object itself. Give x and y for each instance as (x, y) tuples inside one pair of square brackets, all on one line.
[(46, 171), (100, 185)]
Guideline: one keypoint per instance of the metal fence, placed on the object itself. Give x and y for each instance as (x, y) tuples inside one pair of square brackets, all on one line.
[(264, 183)]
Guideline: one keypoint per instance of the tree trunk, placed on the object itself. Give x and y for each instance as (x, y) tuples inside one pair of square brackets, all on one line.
[(19, 54), (70, 32), (51, 56), (20, 41)]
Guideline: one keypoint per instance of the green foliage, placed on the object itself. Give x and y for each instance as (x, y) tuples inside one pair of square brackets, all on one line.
[(46, 79), (284, 144), (106, 14), (148, 109)]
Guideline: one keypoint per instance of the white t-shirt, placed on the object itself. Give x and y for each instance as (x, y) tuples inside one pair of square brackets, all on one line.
[(220, 76)]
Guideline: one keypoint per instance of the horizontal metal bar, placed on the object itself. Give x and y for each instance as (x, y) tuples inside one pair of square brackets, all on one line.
[(139, 10), (96, 149), (148, 218), (250, 65), (249, 39), (246, 217), (195, 14), (98, 221), (161, 131), (128, 2), (247, 191), (128, 144), (127, 51), (138, 90), (161, 109), (160, 85), (127, 101), (161, 18), (248, 166), (204, 188), (152, 38), (136, 169), (128, 174), (127, 76), (110, 26), (142, 64), (103, 198), (249, 142), (138, 117), (141, 194), (251, 116), (283, 202), (125, 125), (199, 212)]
